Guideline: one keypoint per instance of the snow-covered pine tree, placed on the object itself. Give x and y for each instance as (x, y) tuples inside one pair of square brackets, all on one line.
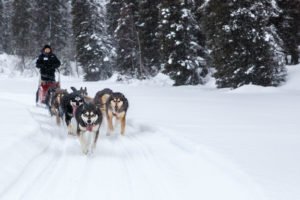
[(244, 48), (147, 27), (288, 25), (182, 53), (22, 27), (52, 27), (194, 43), (113, 8), (6, 29), (129, 60), (92, 49), (1, 26), (103, 40), (171, 33)]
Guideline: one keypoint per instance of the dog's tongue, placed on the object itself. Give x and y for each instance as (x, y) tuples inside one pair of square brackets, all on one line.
[(74, 110), (89, 127)]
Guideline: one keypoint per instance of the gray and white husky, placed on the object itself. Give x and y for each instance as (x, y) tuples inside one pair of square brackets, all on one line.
[(89, 119)]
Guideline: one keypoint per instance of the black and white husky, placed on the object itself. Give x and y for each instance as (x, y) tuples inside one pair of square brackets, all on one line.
[(70, 103), (89, 119)]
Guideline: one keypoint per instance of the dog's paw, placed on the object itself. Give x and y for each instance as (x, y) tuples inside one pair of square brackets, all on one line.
[(85, 151), (71, 130)]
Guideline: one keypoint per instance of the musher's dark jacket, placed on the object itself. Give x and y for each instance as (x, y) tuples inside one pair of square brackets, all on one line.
[(47, 63)]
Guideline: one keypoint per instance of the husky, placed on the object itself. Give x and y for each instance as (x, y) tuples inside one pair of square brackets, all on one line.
[(101, 98), (116, 106), (56, 104), (70, 103), (49, 98), (89, 119), (84, 93)]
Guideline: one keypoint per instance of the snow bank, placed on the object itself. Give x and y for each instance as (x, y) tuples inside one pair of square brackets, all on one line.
[(293, 78), (11, 66), (7, 64), (292, 83), (159, 80)]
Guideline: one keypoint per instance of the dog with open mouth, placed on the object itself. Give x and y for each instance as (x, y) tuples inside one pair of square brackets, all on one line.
[(89, 119)]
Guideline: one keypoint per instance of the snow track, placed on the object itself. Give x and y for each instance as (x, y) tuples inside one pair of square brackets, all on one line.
[(148, 163)]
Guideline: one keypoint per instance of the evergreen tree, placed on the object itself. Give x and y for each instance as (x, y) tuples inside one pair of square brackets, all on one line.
[(171, 33), (147, 26), (113, 8), (244, 48), (128, 48), (92, 49), (182, 53), (1, 26), (288, 25), (52, 27), (51, 23), (6, 30), (22, 28), (194, 44)]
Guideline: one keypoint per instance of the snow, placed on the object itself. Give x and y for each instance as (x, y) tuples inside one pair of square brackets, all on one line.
[(188, 142)]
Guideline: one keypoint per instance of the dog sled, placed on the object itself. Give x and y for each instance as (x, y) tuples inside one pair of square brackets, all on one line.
[(43, 89)]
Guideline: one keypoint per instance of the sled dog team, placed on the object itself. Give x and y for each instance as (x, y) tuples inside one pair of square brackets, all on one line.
[(88, 113)]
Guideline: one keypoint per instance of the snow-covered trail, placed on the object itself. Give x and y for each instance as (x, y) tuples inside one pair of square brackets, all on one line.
[(39, 160)]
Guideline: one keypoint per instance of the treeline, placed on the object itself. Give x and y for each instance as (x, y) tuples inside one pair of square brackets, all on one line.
[(27, 25), (239, 42)]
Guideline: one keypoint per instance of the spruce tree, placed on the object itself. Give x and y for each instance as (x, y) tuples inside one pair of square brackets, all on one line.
[(171, 35), (128, 45), (6, 30), (194, 44), (52, 27), (113, 8), (244, 48), (147, 26), (92, 48), (181, 52), (1, 26), (22, 28), (288, 25)]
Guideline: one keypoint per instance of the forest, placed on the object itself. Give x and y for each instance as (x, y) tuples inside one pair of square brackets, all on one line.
[(236, 42)]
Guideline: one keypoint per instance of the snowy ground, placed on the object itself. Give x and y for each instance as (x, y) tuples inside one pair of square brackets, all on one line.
[(181, 143)]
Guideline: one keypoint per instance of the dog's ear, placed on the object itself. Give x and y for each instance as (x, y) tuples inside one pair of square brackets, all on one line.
[(73, 89), (85, 89)]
